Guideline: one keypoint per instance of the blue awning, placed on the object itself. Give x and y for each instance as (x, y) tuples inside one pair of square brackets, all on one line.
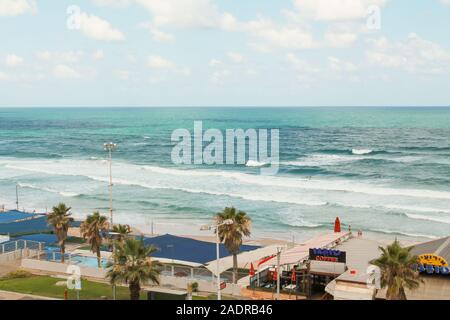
[(187, 249)]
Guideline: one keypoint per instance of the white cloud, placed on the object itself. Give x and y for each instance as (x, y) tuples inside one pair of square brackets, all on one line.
[(338, 65), (158, 62), (333, 10), (300, 65), (99, 29), (13, 60), (3, 76), (340, 38), (64, 56), (306, 72), (218, 76), (236, 57), (183, 13), (445, 1), (215, 63), (114, 3), (66, 72), (415, 55), (17, 7), (122, 74), (289, 36), (98, 55), (157, 34)]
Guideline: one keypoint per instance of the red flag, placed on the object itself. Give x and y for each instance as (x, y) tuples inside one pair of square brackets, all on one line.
[(252, 269), (337, 225)]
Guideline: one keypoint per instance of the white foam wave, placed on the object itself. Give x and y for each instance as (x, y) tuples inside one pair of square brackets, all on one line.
[(417, 209), (318, 160), (414, 235), (289, 189), (362, 151), (63, 193), (428, 218), (254, 163)]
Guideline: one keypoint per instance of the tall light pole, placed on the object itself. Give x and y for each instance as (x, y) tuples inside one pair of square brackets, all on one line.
[(110, 147), (216, 228), (17, 197), (278, 272)]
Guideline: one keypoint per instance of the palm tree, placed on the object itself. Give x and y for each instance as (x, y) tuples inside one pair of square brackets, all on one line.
[(122, 230), (232, 234), (92, 229), (397, 273), (60, 219), (134, 266)]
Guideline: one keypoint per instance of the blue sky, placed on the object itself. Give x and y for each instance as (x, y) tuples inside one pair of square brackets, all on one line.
[(225, 53)]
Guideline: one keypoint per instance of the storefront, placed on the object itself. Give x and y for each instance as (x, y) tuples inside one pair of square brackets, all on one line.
[(433, 267)]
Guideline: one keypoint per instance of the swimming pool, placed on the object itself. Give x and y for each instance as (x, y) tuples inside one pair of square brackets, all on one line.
[(53, 254), (88, 261)]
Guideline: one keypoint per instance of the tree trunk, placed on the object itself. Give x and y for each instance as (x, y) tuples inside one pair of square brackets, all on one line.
[(135, 290), (99, 259), (63, 251), (235, 268)]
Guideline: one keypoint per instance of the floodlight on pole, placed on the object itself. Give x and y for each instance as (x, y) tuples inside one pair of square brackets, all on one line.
[(110, 147), (216, 228)]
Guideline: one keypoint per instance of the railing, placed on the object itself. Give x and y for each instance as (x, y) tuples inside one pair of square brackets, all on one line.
[(20, 244), (18, 254)]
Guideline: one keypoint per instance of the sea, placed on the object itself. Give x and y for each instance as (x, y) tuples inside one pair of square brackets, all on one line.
[(382, 171)]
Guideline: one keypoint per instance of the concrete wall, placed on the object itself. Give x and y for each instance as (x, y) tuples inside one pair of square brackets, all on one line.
[(61, 268), (174, 282), (203, 285), (18, 254)]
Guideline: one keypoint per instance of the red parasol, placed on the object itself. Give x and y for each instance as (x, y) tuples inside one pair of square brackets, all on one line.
[(275, 275), (252, 270), (337, 225), (294, 276)]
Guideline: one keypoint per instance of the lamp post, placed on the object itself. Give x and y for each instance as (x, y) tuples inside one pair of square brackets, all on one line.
[(113, 236), (110, 147), (17, 197), (278, 272), (216, 228)]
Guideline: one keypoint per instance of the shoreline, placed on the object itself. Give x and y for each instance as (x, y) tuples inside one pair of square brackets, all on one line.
[(262, 237)]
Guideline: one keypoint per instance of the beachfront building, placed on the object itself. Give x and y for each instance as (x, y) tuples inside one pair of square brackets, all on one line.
[(304, 269), (433, 266), (358, 282)]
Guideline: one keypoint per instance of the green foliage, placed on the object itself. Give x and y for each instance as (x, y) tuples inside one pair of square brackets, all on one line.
[(17, 275), (397, 274)]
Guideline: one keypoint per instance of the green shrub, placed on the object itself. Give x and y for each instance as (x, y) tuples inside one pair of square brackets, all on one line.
[(17, 274)]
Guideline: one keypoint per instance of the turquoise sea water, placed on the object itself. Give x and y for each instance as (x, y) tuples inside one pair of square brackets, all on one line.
[(381, 170)]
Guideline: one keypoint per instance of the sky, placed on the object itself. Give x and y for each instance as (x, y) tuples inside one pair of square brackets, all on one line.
[(224, 53)]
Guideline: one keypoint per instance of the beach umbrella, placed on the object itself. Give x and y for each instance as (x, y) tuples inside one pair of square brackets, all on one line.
[(293, 276), (337, 225), (275, 275), (252, 270)]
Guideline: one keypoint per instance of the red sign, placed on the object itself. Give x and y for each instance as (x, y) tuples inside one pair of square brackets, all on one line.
[(223, 285), (330, 259)]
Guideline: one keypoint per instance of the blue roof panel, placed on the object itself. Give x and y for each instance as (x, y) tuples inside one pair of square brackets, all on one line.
[(187, 249)]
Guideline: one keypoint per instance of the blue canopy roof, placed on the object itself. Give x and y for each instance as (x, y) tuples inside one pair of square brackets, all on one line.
[(14, 215), (48, 239), (35, 225), (187, 249)]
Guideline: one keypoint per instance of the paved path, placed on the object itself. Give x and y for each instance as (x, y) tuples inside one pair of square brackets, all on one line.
[(8, 295)]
